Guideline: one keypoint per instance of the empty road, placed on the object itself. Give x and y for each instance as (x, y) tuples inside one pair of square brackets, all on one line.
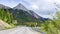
[(19, 30)]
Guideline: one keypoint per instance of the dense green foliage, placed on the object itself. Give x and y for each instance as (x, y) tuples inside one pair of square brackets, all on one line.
[(6, 16), (52, 27)]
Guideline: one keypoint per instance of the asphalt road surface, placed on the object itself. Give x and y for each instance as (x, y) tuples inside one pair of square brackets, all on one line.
[(19, 30)]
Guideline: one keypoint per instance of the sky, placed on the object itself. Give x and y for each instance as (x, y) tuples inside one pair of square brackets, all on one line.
[(44, 8)]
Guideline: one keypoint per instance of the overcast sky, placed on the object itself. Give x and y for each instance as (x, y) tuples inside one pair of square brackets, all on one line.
[(41, 7)]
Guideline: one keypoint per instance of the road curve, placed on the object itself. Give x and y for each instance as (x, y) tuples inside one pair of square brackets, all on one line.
[(19, 30)]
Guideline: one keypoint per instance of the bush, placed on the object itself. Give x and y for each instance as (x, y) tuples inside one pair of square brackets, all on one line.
[(52, 27)]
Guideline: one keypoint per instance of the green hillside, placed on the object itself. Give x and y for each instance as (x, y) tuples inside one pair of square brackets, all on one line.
[(23, 18)]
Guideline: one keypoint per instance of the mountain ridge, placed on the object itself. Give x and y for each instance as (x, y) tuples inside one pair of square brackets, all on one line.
[(4, 6), (20, 8), (31, 12)]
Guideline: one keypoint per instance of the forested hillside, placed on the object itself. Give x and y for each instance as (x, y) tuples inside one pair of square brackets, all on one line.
[(23, 17), (6, 17)]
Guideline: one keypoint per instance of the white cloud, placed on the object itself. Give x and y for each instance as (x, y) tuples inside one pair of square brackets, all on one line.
[(35, 4), (57, 1), (40, 3), (47, 16), (45, 5)]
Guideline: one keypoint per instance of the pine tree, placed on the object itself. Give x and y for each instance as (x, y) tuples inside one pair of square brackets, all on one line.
[(6, 16)]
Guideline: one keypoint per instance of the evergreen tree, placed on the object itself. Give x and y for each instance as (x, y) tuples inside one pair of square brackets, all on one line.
[(6, 16)]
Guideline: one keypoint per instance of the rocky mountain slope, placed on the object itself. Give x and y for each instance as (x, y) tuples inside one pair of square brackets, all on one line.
[(4, 7), (22, 14)]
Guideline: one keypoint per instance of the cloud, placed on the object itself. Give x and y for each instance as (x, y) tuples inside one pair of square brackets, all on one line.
[(10, 3), (47, 16), (40, 3), (43, 5), (57, 1)]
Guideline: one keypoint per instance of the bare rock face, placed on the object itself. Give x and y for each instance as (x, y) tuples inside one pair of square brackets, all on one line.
[(31, 12), (20, 6), (4, 25)]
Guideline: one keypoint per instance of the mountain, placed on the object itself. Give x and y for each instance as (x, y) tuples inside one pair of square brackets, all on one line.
[(31, 12), (4, 7), (20, 6), (23, 15)]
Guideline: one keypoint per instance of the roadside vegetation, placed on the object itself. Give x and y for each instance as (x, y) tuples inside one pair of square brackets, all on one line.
[(52, 26), (7, 18)]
